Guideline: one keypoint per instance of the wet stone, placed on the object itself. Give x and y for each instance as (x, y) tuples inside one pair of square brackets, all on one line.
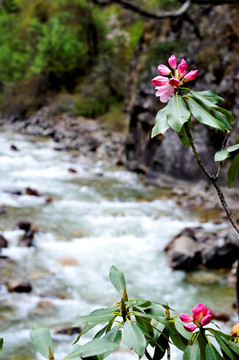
[(19, 286)]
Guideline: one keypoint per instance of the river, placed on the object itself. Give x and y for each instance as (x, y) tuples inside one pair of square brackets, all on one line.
[(91, 215)]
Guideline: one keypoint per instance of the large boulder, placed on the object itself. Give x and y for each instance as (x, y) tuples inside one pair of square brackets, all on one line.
[(193, 247)]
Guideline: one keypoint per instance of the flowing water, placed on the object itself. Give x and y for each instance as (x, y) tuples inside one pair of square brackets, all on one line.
[(87, 220)]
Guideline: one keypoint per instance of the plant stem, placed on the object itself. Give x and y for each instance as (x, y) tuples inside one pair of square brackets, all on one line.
[(213, 180), (147, 355), (223, 147), (220, 194), (168, 353)]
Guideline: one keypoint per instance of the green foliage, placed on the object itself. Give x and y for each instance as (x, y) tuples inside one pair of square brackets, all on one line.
[(42, 341), (1, 344), (139, 324)]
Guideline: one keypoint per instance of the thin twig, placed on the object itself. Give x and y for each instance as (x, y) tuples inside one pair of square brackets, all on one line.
[(148, 355), (144, 12), (213, 180), (168, 353), (223, 148)]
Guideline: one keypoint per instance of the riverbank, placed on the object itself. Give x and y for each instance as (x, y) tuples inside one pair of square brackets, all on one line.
[(90, 138)]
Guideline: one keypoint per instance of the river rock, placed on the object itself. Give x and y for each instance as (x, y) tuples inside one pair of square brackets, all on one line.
[(19, 286), (3, 242), (27, 239), (69, 330), (193, 247)]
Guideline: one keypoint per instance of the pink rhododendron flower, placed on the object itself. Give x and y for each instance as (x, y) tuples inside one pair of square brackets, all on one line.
[(182, 67), (172, 61), (165, 86), (191, 75), (201, 316)]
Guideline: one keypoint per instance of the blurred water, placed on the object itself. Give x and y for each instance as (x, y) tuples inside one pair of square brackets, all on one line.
[(98, 216)]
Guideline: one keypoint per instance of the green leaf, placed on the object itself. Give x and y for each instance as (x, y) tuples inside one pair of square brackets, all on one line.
[(228, 115), (203, 116), (117, 279), (42, 341), (177, 112), (233, 148), (85, 329), (210, 95), (155, 309), (221, 118), (93, 347), (134, 338), (192, 352), (179, 341), (97, 316), (182, 331), (183, 137), (233, 347), (162, 345), (145, 326), (221, 155), (1, 345), (161, 123), (224, 347), (233, 171), (100, 332), (114, 335), (212, 353), (207, 101)]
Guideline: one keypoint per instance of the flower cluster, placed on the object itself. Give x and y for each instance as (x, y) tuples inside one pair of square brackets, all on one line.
[(201, 316), (166, 86)]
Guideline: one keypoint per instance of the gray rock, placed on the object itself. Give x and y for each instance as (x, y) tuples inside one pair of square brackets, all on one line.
[(193, 247)]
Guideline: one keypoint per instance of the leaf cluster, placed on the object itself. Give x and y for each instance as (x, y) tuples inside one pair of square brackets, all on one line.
[(140, 324), (204, 107)]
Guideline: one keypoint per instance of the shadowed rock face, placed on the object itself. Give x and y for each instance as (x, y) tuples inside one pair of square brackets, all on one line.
[(193, 247), (210, 45)]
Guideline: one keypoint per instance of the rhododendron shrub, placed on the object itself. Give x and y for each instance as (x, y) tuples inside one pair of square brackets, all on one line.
[(185, 105), (147, 327)]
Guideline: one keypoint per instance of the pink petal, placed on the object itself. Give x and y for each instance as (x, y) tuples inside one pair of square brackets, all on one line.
[(174, 82), (165, 92), (164, 70), (182, 67), (206, 320), (172, 61), (159, 80), (190, 327), (190, 76), (185, 318)]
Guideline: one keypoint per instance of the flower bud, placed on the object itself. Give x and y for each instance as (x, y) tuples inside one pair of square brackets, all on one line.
[(182, 67), (164, 70), (235, 330), (190, 76), (159, 80), (174, 82), (185, 318), (172, 61), (190, 327)]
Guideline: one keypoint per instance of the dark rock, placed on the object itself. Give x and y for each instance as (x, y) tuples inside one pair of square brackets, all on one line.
[(72, 171), (14, 147), (3, 242), (3, 211), (70, 330), (19, 286), (24, 225), (32, 192), (183, 252), (27, 239), (194, 247)]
